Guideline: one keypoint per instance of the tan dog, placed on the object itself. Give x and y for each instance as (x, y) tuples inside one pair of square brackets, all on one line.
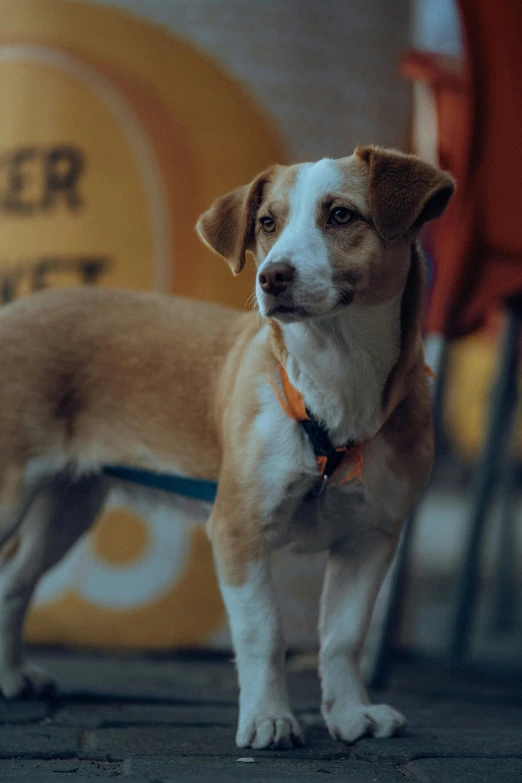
[(315, 418)]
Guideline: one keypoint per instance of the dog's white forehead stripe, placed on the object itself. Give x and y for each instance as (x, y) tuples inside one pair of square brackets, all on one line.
[(313, 182)]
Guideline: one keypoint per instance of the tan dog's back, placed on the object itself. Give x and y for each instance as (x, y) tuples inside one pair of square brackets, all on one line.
[(93, 365)]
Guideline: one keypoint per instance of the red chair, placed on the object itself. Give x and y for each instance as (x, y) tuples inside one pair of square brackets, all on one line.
[(477, 244)]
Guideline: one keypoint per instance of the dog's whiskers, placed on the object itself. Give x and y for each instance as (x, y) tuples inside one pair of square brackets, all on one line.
[(252, 303)]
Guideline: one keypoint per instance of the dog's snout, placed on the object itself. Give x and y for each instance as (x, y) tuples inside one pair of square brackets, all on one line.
[(276, 278)]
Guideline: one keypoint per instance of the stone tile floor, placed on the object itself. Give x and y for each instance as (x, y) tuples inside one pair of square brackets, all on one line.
[(173, 719)]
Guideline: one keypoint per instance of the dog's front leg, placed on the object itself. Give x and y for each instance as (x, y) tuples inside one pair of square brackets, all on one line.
[(354, 575), (265, 716)]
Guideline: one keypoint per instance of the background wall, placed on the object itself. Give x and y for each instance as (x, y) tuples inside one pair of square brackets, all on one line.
[(326, 72)]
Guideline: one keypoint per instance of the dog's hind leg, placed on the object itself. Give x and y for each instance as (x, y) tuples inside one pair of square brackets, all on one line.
[(56, 516)]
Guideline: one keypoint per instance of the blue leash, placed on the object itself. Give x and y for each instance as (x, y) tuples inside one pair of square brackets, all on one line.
[(198, 489)]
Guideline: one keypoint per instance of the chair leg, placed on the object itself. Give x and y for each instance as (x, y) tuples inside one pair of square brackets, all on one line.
[(436, 356), (502, 411), (504, 603)]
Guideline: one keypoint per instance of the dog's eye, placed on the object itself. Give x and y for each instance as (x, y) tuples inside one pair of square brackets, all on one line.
[(267, 224), (341, 216)]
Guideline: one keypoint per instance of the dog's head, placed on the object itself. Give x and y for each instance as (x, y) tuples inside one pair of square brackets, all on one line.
[(327, 234)]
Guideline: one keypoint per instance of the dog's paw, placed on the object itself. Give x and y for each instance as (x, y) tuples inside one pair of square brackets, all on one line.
[(26, 683), (267, 731), (353, 722)]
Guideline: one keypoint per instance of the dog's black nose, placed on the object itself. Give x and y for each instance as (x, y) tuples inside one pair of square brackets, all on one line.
[(276, 278)]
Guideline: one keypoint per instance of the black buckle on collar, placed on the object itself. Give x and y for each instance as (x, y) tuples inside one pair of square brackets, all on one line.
[(322, 445)]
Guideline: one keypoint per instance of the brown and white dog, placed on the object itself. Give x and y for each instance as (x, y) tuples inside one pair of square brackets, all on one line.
[(102, 377)]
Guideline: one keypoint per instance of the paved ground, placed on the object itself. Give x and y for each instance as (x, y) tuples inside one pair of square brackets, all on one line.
[(174, 720)]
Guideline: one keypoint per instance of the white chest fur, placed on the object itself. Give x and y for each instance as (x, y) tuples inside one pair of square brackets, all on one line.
[(341, 364), (288, 476)]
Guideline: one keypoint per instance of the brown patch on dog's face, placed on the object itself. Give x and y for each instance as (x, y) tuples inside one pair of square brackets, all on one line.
[(363, 267), (274, 205)]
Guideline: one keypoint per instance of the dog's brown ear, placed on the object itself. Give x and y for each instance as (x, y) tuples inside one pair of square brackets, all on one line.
[(228, 227), (403, 191)]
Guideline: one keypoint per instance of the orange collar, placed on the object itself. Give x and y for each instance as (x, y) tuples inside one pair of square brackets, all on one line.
[(293, 404), (329, 458)]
